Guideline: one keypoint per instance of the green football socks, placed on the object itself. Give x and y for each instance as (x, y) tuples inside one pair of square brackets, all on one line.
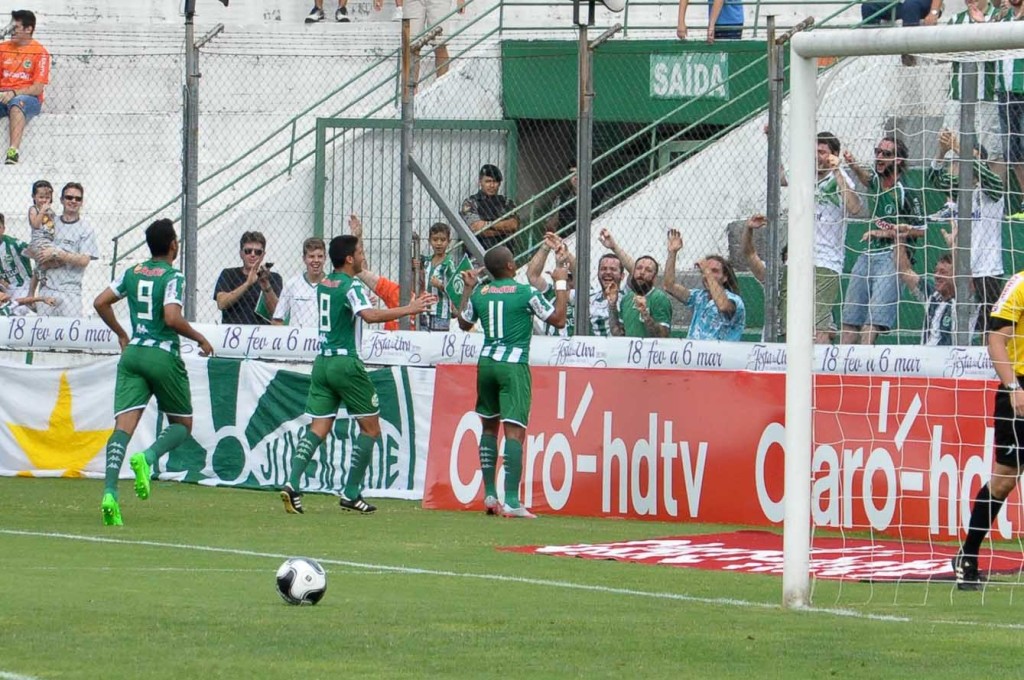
[(488, 463), (173, 436), (513, 471), (300, 461), (360, 461), (116, 445)]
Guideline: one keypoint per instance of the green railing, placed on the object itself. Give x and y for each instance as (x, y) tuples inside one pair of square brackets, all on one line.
[(282, 145)]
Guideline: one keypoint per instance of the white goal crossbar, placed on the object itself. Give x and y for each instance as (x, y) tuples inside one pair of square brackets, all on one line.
[(805, 48)]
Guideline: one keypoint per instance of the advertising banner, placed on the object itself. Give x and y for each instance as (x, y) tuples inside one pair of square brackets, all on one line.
[(248, 418), (902, 456)]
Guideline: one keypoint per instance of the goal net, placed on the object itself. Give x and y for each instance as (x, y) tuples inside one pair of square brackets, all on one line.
[(889, 427)]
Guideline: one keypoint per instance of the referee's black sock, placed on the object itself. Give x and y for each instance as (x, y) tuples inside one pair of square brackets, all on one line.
[(983, 513)]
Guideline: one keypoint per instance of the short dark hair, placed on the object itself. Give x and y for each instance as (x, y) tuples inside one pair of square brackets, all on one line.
[(3, 222), (610, 256), (252, 237), (491, 171), (40, 184), (657, 267), (440, 228), (24, 17), (831, 140), (159, 237), (945, 258), (72, 185), (311, 244), (342, 247), (496, 260)]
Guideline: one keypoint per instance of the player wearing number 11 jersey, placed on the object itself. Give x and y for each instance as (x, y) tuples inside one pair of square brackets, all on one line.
[(150, 361), (506, 309)]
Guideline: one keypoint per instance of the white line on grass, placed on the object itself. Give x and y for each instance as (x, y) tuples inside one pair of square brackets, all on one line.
[(384, 568), (4, 675)]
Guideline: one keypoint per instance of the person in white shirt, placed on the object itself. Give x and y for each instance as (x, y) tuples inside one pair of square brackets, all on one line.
[(297, 304)]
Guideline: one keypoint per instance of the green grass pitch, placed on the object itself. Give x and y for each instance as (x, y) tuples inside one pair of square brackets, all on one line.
[(186, 590)]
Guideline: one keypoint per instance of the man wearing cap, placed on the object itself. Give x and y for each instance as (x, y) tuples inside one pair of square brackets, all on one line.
[(490, 215)]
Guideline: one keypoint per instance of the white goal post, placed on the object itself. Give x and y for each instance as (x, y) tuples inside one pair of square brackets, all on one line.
[(805, 48)]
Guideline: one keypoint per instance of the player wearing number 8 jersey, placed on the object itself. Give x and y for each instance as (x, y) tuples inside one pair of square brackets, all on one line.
[(339, 376), (505, 309), (150, 361)]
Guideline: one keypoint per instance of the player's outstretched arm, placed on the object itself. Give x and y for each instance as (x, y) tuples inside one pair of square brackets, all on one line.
[(180, 325), (417, 305), (104, 306), (558, 318), (469, 281)]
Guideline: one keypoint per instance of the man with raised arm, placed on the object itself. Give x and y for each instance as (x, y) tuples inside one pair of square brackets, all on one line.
[(339, 376), (535, 275), (505, 309), (644, 311), (150, 362), (718, 310)]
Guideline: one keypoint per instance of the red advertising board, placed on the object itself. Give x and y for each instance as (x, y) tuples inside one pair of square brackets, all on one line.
[(902, 456)]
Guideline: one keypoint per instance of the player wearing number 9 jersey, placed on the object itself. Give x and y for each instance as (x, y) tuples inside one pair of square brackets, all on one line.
[(339, 376), (150, 362), (505, 309)]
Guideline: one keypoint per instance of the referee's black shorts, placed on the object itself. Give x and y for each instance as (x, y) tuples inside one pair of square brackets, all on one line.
[(1009, 430)]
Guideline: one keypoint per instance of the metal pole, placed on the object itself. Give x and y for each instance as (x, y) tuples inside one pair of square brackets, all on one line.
[(964, 201), (771, 257), (190, 169), (405, 177), (584, 154)]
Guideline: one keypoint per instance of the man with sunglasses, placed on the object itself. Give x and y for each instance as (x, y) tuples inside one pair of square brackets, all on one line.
[(74, 247), (873, 292), (248, 294)]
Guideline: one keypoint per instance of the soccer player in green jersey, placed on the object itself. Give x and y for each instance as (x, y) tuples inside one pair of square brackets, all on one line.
[(506, 309), (150, 361), (339, 376)]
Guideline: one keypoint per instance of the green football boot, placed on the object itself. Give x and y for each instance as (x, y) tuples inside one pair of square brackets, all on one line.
[(143, 473), (111, 511)]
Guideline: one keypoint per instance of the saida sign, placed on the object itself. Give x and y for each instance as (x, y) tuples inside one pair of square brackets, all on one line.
[(690, 75)]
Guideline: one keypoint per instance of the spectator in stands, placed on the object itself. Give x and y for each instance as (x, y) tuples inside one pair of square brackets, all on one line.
[(74, 247), (564, 205), (15, 264), (439, 269), (987, 209), (718, 310), (610, 273), (248, 294), (909, 12), (937, 292), (385, 290), (986, 111), (725, 16), (873, 291), (317, 13), (488, 214), (643, 311), (423, 15), (1010, 96), (552, 243), (759, 269), (24, 74), (297, 305)]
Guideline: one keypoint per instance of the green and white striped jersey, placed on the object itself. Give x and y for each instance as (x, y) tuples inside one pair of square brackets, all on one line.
[(569, 329), (442, 271), (340, 299), (987, 70), (1011, 71), (506, 309), (149, 287), (15, 265)]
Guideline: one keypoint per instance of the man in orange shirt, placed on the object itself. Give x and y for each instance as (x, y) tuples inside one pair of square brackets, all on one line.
[(24, 73), (387, 290)]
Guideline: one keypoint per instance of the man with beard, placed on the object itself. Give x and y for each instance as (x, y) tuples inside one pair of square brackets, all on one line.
[(482, 210), (643, 311), (873, 292), (718, 310), (609, 275)]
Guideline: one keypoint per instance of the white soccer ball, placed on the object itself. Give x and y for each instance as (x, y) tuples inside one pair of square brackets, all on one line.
[(301, 580)]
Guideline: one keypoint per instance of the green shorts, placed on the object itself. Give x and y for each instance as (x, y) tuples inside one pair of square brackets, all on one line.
[(826, 295), (144, 372), (503, 389), (341, 380)]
